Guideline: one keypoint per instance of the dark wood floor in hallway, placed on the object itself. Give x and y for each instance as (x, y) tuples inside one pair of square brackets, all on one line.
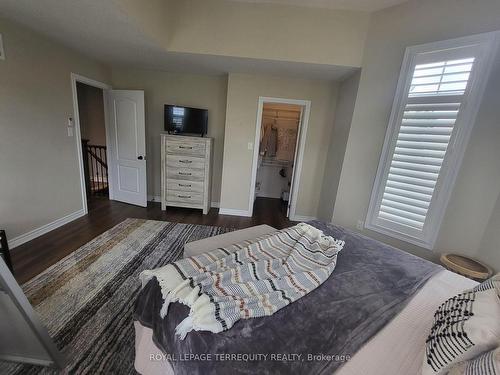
[(35, 256)]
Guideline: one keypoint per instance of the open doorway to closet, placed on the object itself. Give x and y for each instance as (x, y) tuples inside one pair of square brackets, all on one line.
[(281, 128)]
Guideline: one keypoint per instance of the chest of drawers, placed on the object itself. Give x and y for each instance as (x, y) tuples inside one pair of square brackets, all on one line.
[(186, 169)]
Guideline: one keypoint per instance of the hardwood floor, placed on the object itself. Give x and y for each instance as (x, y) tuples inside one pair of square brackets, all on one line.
[(35, 256)]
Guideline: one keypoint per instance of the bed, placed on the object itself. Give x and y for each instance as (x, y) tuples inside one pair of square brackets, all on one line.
[(376, 311)]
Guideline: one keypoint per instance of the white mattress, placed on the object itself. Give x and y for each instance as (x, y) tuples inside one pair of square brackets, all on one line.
[(397, 349)]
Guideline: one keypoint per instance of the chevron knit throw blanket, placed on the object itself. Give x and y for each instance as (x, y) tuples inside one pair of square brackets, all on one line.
[(247, 280)]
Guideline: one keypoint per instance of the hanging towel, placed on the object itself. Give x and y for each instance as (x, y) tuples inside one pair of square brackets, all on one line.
[(287, 138), (269, 141)]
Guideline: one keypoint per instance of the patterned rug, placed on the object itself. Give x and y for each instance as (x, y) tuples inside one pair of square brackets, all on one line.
[(86, 300)]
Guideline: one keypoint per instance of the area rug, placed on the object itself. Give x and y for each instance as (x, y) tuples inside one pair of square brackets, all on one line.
[(86, 300)]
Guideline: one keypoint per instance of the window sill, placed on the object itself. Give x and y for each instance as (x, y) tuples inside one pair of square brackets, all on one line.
[(425, 244)]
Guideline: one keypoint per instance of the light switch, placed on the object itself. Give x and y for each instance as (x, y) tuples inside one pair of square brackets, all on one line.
[(360, 225), (70, 126), (250, 146)]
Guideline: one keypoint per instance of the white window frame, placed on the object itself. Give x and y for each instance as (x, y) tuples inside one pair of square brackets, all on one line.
[(486, 46)]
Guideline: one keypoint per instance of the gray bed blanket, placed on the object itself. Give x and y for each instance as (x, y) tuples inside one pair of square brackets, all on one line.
[(314, 335)]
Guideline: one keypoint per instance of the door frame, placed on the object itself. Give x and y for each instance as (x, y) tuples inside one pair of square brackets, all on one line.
[(77, 130), (299, 152)]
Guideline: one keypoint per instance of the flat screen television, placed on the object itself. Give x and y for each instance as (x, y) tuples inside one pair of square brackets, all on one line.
[(185, 120)]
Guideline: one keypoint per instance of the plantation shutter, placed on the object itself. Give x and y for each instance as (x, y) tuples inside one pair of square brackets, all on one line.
[(431, 108)]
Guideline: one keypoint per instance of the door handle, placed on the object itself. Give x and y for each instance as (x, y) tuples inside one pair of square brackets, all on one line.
[(140, 157)]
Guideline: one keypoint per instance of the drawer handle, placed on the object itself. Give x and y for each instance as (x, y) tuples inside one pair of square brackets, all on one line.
[(187, 147), (185, 185), (185, 173), (184, 196), (185, 161)]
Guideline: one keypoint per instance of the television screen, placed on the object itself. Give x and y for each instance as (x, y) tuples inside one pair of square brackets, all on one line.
[(185, 120)]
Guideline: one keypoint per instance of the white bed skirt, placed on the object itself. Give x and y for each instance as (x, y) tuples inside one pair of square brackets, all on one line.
[(397, 349)]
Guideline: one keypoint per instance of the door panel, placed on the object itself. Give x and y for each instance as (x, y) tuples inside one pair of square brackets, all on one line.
[(126, 139), (128, 179), (289, 205), (127, 146)]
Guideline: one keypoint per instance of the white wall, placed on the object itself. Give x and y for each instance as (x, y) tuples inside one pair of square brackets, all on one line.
[(160, 88), (39, 169), (241, 114), (478, 182), (272, 184)]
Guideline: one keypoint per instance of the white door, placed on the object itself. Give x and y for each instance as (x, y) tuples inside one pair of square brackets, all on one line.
[(294, 164), (126, 146)]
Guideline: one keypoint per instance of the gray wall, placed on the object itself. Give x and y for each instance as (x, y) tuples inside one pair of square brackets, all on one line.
[(489, 250), (160, 88), (261, 30), (478, 183), (39, 170), (348, 91), (241, 118)]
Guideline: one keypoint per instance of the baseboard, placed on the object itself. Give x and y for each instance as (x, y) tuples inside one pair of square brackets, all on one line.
[(263, 194), (303, 218), (230, 211), (157, 198), (31, 235)]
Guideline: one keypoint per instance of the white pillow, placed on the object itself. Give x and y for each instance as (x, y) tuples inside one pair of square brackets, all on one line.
[(486, 364), (465, 326)]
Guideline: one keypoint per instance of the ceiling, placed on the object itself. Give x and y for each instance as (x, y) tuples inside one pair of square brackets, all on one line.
[(361, 5), (116, 38)]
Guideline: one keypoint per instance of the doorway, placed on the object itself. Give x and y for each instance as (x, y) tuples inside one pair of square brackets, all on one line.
[(90, 134), (279, 145), (91, 117), (124, 178)]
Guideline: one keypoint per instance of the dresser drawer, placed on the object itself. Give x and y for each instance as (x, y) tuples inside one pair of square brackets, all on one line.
[(184, 197), (183, 161), (185, 147), (185, 174), (184, 185)]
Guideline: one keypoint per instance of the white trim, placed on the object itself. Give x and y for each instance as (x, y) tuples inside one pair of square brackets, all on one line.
[(77, 130), (301, 141), (266, 194), (24, 359), (157, 198), (32, 234), (487, 45), (2, 50), (230, 211), (302, 218)]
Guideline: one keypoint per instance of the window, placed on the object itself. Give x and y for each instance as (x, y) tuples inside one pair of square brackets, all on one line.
[(437, 98)]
